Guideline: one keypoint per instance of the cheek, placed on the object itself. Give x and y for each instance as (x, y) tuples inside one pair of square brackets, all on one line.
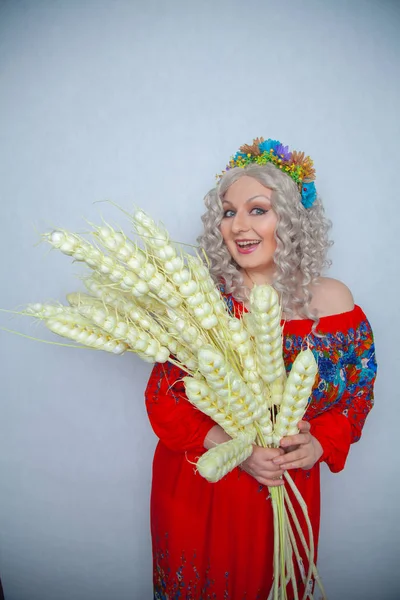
[(268, 236), (224, 229), (270, 233)]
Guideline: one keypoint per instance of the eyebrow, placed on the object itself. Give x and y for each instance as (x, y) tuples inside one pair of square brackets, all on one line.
[(250, 199)]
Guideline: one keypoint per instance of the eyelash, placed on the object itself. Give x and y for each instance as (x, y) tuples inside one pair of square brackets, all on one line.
[(263, 211)]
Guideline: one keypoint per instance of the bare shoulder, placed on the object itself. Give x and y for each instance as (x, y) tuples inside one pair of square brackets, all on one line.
[(331, 297)]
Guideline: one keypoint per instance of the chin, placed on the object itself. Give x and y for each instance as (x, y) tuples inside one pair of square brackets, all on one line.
[(250, 262)]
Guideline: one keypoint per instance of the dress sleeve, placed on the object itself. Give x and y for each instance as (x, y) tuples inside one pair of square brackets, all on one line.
[(176, 422), (342, 424)]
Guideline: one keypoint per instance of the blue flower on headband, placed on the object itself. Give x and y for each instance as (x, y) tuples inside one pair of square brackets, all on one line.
[(308, 194), (241, 154), (269, 145)]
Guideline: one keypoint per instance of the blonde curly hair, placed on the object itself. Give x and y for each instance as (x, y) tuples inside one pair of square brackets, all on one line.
[(301, 235)]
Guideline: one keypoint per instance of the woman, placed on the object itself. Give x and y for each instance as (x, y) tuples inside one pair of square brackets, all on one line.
[(264, 224)]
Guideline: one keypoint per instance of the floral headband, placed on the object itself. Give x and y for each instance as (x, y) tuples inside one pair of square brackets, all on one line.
[(295, 164)]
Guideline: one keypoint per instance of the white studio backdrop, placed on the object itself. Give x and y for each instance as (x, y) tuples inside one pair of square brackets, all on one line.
[(142, 103)]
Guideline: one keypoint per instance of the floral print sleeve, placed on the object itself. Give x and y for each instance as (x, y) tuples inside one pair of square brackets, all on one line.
[(360, 371), (343, 393)]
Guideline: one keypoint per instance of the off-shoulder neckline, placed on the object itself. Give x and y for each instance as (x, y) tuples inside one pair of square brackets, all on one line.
[(328, 324)]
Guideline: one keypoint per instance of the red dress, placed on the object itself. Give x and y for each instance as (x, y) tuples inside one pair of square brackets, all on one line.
[(215, 540)]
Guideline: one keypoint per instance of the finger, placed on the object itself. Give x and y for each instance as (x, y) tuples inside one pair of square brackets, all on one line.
[(302, 463), (273, 473), (273, 453), (270, 471), (291, 449), (304, 426), (295, 440), (289, 458)]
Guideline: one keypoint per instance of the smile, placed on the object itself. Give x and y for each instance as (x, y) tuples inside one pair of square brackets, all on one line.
[(246, 246)]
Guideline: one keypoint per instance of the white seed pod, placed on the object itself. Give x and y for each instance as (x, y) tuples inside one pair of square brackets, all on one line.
[(156, 282), (124, 253), (121, 329), (173, 301), (196, 300), (257, 388), (154, 236), (117, 274), (298, 414), (291, 389), (138, 340), (203, 310), (263, 298), (141, 287), (67, 248), (190, 334), (235, 325), (264, 304), (295, 397), (227, 384), (162, 355), (147, 272), (109, 346), (56, 238), (137, 261), (244, 348), (152, 347), (277, 389), (82, 336), (167, 291), (251, 376), (188, 289), (166, 252), (129, 281), (119, 348), (198, 267), (209, 322), (221, 459), (174, 265), (104, 232), (110, 323), (286, 411), (240, 337), (190, 362), (43, 311), (77, 328), (249, 362), (209, 356), (182, 276), (208, 402)]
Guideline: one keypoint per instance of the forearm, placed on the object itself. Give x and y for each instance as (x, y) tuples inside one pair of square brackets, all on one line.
[(216, 435), (176, 422)]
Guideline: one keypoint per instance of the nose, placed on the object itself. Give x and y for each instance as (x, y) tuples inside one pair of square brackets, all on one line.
[(240, 223)]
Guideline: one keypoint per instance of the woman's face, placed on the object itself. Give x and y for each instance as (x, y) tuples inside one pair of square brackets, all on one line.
[(248, 226)]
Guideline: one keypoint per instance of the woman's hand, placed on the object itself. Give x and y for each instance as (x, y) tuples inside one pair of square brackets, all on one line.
[(302, 450), (260, 465)]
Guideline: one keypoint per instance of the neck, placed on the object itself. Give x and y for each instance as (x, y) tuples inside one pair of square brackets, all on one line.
[(253, 277)]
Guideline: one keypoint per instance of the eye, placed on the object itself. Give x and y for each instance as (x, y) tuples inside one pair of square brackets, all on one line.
[(228, 213), (258, 211)]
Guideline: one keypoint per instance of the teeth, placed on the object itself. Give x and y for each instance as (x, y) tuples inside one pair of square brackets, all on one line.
[(242, 244)]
